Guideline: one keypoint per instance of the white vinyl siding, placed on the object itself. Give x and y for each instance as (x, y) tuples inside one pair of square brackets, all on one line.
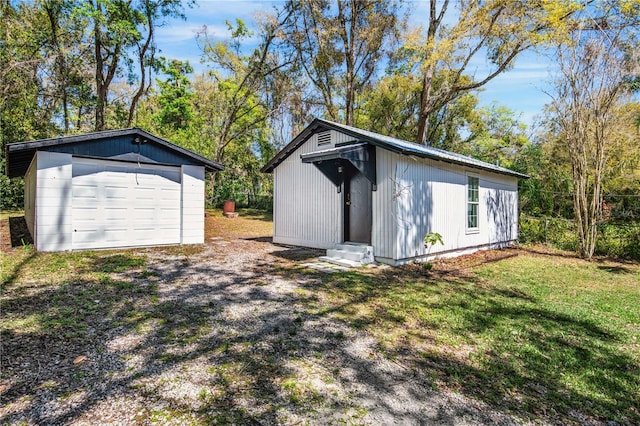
[(419, 189), (431, 197), (384, 229), (53, 201), (192, 205), (501, 202), (307, 206), (340, 137)]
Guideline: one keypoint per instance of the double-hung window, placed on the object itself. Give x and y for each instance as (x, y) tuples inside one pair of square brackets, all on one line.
[(472, 203)]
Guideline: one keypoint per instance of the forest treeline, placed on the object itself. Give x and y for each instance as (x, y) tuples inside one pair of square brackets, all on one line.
[(70, 67)]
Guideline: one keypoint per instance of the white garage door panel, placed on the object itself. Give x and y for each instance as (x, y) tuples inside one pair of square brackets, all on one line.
[(114, 236), (116, 192), (116, 214), (119, 205), (84, 239), (84, 192), (168, 193)]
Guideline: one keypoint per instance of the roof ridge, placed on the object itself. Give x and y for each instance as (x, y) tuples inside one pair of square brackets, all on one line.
[(20, 154), (391, 143)]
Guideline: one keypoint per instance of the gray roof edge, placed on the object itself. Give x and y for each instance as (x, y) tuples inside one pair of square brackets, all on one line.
[(213, 164), (290, 147), (386, 142), (69, 139), (65, 140), (422, 150)]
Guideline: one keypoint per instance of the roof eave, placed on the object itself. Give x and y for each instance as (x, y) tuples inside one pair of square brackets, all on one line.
[(291, 146), (402, 151), (317, 122), (16, 147), (213, 165), (66, 140), (462, 163)]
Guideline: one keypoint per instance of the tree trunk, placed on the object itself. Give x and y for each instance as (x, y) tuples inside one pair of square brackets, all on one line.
[(60, 63), (347, 35), (142, 53), (109, 56), (425, 106), (100, 91)]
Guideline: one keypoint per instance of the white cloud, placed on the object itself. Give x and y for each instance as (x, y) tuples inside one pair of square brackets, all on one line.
[(177, 34), (221, 10), (213, 15)]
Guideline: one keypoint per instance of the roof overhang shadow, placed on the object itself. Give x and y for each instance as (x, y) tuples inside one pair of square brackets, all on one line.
[(361, 155)]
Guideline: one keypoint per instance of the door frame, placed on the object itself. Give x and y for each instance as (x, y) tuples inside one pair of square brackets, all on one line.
[(349, 172)]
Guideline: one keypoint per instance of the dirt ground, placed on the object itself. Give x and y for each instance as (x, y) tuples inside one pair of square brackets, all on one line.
[(219, 334)]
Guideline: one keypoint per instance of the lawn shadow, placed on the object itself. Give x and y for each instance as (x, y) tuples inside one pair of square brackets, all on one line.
[(19, 232), (178, 339), (29, 254), (537, 250), (294, 253), (84, 335), (525, 363), (615, 269), (260, 239)]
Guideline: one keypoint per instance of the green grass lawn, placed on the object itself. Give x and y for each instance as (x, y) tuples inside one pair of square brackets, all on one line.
[(249, 223), (544, 336), (538, 335)]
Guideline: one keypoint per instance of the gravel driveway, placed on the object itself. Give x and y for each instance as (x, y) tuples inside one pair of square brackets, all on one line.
[(219, 335)]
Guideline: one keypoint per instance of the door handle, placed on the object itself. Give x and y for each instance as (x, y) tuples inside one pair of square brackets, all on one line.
[(348, 203)]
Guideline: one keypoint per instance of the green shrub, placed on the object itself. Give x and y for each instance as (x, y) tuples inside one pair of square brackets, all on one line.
[(559, 232), (620, 240), (11, 193), (615, 239)]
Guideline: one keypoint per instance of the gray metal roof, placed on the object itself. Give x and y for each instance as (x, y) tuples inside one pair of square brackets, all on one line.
[(392, 144), (114, 144)]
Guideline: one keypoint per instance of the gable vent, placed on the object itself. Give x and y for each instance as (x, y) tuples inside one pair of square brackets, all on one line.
[(324, 138)]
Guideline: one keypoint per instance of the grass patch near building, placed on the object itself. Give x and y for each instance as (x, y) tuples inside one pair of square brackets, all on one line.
[(237, 331), (538, 334)]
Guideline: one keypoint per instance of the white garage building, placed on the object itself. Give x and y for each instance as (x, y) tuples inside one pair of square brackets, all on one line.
[(121, 188)]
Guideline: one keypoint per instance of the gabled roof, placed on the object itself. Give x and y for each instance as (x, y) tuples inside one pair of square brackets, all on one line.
[(114, 144), (386, 142)]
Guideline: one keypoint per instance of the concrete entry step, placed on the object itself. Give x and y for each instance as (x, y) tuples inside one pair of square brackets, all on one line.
[(350, 254)]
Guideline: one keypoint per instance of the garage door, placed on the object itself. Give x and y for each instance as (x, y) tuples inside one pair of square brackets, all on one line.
[(118, 204)]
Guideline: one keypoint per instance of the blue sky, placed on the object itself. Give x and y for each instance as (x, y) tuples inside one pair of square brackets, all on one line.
[(520, 89)]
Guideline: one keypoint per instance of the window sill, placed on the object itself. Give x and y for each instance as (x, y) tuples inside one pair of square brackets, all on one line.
[(473, 231)]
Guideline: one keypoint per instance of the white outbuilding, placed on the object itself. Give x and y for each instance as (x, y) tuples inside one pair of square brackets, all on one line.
[(110, 189), (364, 196)]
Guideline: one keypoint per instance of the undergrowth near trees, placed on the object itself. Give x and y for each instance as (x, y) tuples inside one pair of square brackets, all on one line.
[(616, 239)]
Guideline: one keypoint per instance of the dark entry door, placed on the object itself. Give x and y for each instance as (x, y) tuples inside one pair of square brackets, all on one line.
[(357, 208)]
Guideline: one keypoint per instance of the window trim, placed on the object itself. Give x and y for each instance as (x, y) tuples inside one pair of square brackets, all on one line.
[(468, 202)]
